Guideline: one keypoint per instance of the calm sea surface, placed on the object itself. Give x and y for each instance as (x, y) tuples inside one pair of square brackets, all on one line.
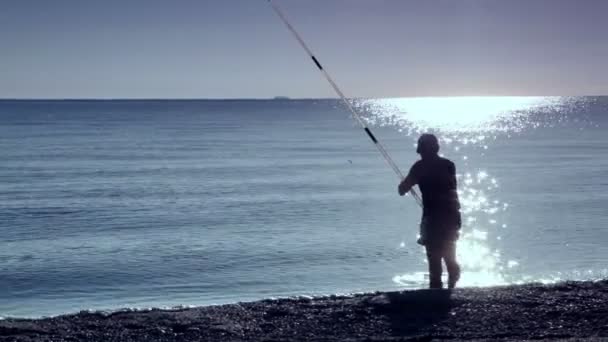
[(118, 204)]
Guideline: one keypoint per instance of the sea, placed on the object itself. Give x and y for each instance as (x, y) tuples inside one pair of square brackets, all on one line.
[(132, 204)]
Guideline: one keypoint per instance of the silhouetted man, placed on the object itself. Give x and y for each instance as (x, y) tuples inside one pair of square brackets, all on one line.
[(440, 224)]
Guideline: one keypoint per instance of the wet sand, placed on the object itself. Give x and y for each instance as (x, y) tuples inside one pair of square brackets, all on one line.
[(570, 311)]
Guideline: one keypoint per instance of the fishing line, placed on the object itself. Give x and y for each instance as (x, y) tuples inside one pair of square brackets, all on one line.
[(333, 84)]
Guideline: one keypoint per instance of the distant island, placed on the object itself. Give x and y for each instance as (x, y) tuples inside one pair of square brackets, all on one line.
[(281, 98)]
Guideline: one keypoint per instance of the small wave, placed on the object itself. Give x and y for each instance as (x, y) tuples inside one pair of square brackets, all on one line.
[(43, 212)]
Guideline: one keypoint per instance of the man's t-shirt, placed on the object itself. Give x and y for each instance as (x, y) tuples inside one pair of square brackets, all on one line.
[(436, 177)]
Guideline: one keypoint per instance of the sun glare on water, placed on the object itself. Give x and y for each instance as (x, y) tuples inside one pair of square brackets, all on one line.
[(457, 115), (467, 125)]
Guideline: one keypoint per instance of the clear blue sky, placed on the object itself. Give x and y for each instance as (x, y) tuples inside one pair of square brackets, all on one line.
[(240, 49)]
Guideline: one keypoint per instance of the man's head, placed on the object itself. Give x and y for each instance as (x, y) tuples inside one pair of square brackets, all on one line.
[(428, 145)]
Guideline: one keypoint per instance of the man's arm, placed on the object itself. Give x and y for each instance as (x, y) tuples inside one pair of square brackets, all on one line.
[(452, 172), (408, 183)]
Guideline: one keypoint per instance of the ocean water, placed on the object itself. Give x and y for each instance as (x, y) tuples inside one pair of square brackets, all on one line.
[(135, 204)]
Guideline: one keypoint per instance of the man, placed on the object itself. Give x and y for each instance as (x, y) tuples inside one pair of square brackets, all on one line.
[(440, 225)]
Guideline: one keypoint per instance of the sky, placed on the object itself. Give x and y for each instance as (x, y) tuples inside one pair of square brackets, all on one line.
[(240, 48)]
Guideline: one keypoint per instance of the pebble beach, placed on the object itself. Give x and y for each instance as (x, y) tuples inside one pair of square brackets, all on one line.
[(564, 311)]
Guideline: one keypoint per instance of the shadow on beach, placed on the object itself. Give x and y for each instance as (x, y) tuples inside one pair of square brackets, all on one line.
[(413, 311)]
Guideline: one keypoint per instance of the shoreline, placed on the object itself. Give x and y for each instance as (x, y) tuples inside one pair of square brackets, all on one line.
[(567, 310)]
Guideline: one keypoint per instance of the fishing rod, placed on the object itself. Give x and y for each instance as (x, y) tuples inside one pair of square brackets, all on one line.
[(333, 84)]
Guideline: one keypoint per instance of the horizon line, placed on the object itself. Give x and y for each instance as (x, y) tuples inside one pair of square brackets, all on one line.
[(276, 98)]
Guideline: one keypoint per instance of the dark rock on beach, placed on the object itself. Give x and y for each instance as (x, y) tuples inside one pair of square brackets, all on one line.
[(570, 311)]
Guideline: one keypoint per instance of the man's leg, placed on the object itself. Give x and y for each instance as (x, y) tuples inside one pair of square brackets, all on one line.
[(449, 255), (433, 255)]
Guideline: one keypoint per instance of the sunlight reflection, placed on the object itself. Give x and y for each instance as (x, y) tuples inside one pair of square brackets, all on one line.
[(474, 116)]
